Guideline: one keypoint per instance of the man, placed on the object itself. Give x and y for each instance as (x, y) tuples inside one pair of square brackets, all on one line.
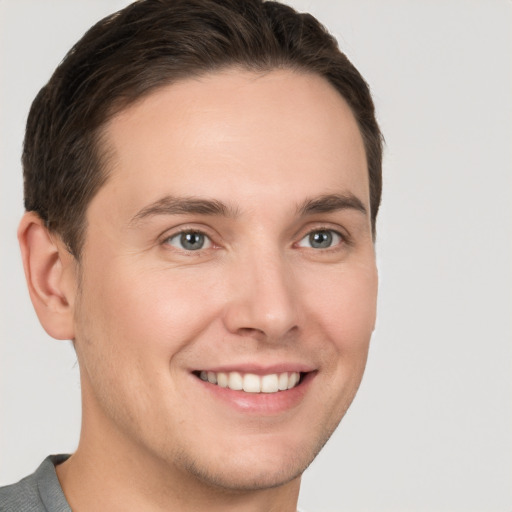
[(202, 180)]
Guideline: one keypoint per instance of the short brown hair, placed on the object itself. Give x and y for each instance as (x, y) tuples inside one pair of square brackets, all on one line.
[(152, 43)]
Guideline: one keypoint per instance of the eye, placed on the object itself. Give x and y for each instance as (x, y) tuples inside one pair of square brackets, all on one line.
[(190, 241), (321, 239)]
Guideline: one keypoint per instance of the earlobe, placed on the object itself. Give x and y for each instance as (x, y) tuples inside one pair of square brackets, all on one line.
[(50, 274)]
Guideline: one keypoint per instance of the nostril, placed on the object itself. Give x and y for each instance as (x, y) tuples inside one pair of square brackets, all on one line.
[(247, 331)]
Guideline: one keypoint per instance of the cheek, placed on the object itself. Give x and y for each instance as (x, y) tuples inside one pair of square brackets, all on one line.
[(150, 311), (342, 307), (345, 304), (130, 326)]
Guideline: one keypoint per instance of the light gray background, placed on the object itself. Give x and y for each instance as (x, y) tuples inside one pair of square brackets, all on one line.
[(431, 427)]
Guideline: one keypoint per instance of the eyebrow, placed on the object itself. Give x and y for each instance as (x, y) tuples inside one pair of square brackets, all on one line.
[(331, 203), (171, 205)]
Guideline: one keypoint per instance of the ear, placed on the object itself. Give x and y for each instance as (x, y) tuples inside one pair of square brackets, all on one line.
[(51, 273)]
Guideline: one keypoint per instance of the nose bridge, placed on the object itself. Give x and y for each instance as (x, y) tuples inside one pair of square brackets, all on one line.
[(263, 297)]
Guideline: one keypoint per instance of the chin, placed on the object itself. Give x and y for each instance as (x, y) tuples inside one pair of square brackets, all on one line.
[(264, 466), (244, 477)]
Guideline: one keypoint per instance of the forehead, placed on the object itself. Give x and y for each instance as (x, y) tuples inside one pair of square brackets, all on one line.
[(245, 132)]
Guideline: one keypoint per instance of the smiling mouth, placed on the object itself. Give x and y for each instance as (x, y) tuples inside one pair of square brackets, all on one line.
[(252, 383)]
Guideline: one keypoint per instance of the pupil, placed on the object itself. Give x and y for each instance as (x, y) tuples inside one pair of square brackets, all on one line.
[(192, 241), (320, 239)]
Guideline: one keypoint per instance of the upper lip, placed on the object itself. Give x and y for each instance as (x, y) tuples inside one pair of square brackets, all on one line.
[(258, 369)]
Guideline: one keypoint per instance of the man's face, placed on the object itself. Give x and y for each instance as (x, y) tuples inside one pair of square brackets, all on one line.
[(232, 242)]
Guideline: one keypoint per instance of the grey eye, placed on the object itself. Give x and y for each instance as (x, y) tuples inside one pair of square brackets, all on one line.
[(190, 241), (321, 239)]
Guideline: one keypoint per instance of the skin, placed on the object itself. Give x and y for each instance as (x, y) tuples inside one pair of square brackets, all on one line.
[(145, 313)]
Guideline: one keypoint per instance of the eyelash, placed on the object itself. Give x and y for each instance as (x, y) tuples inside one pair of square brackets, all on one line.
[(342, 240)]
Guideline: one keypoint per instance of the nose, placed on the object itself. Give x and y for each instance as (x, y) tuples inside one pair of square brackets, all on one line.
[(262, 300)]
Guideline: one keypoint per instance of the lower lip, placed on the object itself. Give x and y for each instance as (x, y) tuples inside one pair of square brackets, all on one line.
[(261, 403)]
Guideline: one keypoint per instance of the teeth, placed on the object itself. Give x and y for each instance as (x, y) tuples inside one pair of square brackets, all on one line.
[(235, 381), (251, 383), (282, 381), (222, 379), (270, 383), (292, 380)]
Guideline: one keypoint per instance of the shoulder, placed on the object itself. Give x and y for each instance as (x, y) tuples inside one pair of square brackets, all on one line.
[(38, 492), (22, 496)]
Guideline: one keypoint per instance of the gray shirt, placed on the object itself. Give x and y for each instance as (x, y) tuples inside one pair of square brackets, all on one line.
[(39, 492)]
